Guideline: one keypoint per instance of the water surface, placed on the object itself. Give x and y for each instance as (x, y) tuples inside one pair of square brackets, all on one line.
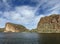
[(29, 38)]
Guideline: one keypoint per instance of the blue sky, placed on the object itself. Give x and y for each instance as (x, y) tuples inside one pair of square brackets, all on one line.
[(27, 12)]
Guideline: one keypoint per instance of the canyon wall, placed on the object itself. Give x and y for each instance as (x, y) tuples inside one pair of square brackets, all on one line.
[(49, 24)]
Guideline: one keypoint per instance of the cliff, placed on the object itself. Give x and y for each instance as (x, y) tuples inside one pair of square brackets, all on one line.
[(49, 24), (10, 27)]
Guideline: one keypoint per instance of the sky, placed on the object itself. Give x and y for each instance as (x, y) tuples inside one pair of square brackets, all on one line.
[(27, 12)]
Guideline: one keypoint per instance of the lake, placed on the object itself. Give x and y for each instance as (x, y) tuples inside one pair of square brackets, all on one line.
[(29, 38)]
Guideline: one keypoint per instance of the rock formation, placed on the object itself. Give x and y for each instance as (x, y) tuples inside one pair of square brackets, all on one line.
[(10, 27), (49, 24)]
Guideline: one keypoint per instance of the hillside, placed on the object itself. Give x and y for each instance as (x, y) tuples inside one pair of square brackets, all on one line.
[(10, 27), (49, 24)]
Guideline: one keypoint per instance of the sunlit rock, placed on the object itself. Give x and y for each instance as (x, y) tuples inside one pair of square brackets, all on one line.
[(10, 27)]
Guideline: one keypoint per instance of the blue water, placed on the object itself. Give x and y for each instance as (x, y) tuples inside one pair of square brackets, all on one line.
[(29, 38)]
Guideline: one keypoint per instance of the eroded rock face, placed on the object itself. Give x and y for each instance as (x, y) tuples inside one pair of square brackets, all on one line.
[(14, 28), (9, 28), (49, 24)]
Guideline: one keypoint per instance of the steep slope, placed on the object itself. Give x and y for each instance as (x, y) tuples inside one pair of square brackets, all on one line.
[(49, 24)]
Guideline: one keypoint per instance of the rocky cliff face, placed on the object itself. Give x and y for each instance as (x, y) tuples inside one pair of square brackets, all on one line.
[(49, 24), (10, 27)]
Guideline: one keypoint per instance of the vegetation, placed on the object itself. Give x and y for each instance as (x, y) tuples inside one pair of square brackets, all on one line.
[(33, 30), (1, 29)]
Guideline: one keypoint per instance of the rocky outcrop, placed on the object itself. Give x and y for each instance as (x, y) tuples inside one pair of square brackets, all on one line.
[(10, 27), (49, 24)]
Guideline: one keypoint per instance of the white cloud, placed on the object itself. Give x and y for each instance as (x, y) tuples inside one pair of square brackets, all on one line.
[(25, 15), (4, 5), (2, 22), (22, 15), (21, 11), (25, 11), (45, 4)]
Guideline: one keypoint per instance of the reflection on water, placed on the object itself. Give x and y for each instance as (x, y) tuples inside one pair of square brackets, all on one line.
[(29, 38), (49, 38)]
